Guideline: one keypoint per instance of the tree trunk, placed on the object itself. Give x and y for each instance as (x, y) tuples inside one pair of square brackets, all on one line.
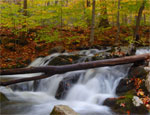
[(25, 7), (88, 4), (51, 70), (136, 37), (118, 20), (138, 19), (93, 23)]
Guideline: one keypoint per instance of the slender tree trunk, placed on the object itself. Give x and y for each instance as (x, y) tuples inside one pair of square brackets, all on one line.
[(132, 46), (118, 20), (144, 19), (138, 19), (61, 18), (25, 7), (88, 4), (93, 23)]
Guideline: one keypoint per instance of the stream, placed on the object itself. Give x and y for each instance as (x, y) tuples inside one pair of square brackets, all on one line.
[(86, 97)]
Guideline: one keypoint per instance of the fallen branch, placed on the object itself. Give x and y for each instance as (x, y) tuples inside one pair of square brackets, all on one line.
[(23, 80), (51, 70)]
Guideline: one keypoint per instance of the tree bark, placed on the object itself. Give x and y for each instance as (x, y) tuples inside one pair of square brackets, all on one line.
[(51, 70), (88, 3), (138, 19), (25, 7), (93, 23), (118, 20)]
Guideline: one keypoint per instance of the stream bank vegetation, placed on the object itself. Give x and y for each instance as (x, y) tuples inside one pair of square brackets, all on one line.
[(37, 28)]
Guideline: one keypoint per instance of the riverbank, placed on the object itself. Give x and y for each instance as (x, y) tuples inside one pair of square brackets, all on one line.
[(18, 52)]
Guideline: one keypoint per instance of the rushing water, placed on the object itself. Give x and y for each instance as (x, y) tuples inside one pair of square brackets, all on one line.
[(85, 97)]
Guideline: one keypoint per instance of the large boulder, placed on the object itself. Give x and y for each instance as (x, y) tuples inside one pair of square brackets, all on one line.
[(126, 104), (63, 110)]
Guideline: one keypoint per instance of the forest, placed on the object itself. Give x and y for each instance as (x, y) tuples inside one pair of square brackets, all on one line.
[(88, 57)]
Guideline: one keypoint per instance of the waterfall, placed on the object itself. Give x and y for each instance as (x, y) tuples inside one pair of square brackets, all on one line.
[(85, 97)]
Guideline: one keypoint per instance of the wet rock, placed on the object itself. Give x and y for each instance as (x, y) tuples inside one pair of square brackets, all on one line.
[(65, 85), (64, 59), (57, 49), (138, 72), (3, 98), (63, 110), (124, 86), (122, 105)]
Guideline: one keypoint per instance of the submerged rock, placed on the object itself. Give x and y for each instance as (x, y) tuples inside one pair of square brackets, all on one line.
[(63, 110)]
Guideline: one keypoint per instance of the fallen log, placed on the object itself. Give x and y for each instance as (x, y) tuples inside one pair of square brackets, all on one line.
[(51, 70), (10, 82)]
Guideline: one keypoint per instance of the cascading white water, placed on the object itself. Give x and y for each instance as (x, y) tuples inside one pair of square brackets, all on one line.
[(85, 97)]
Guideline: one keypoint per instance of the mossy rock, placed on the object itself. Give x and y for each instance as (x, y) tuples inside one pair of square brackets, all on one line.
[(115, 105), (64, 60), (3, 98)]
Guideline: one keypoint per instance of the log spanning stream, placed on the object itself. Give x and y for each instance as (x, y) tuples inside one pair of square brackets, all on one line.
[(86, 96)]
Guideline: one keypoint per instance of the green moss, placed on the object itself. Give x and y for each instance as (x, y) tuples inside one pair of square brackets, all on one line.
[(129, 106)]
